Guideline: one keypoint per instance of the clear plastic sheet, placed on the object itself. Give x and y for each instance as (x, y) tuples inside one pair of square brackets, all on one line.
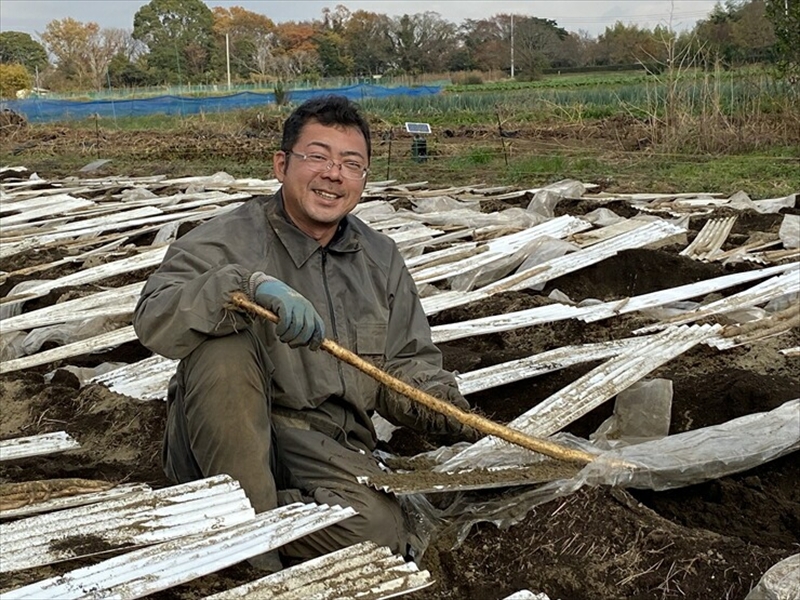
[(493, 271), (603, 217), (443, 204), (85, 374), (12, 309), (789, 233), (781, 582), (545, 200), (672, 462), (543, 249), (641, 413), (74, 331)]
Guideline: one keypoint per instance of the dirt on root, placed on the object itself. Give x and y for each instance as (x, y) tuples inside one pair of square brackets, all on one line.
[(712, 540)]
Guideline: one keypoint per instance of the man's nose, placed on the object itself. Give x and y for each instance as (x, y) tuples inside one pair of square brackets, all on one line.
[(330, 172)]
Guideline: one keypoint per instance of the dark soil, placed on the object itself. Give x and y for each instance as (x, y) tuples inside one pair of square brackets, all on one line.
[(713, 540)]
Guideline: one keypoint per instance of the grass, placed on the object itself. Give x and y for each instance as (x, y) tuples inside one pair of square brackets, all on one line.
[(717, 132)]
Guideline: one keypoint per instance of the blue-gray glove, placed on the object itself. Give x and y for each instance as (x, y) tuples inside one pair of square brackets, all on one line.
[(299, 322)]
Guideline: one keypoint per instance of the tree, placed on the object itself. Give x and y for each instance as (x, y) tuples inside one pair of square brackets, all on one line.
[(252, 41), (785, 18), (627, 44), (83, 51), (488, 42), (538, 44), (13, 77), (368, 37), (179, 35), (296, 54), (423, 42), (21, 48)]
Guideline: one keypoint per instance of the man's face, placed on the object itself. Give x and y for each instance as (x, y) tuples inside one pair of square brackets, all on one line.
[(316, 202)]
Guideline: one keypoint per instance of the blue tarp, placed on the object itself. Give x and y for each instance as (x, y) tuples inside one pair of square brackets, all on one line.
[(39, 110)]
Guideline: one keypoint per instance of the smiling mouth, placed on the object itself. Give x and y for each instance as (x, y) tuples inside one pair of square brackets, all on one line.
[(326, 195)]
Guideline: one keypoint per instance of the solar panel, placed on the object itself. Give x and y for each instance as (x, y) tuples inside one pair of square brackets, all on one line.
[(418, 128)]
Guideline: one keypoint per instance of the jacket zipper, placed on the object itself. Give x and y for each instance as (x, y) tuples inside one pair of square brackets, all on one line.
[(331, 312)]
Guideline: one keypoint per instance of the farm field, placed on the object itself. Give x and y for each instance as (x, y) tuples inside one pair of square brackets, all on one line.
[(710, 540)]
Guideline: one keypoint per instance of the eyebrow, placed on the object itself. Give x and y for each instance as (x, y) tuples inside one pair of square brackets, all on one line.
[(330, 150)]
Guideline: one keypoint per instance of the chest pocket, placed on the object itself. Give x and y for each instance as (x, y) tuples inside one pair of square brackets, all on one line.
[(370, 345)]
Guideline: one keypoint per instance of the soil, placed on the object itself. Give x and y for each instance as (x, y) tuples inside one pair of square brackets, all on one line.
[(712, 540)]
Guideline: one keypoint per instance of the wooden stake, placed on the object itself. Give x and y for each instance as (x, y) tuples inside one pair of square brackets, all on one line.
[(482, 424)]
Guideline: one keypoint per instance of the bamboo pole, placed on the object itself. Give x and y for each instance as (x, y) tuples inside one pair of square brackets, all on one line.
[(478, 422)]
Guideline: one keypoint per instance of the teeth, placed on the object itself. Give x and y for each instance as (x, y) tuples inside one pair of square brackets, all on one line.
[(326, 195)]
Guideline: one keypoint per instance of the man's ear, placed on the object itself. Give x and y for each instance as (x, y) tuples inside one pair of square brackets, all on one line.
[(279, 164)]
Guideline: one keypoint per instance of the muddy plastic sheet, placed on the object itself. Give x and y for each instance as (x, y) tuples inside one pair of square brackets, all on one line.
[(781, 582), (672, 462)]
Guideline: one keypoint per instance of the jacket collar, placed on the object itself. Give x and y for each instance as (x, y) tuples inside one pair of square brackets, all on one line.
[(301, 246)]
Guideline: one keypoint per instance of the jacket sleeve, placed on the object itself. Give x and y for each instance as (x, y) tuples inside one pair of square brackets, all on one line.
[(184, 301)]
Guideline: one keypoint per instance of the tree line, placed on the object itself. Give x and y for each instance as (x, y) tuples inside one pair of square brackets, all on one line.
[(186, 42)]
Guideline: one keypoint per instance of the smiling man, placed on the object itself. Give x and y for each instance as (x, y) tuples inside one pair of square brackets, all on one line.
[(259, 401)]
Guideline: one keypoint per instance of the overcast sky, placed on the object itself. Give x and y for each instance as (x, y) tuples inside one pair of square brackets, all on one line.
[(31, 16)]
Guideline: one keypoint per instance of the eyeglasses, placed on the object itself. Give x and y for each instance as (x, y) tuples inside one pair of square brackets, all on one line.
[(319, 163)]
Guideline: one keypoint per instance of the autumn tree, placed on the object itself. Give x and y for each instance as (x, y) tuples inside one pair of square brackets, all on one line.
[(538, 43), (82, 51), (739, 31), (13, 77), (179, 35), (332, 48), (487, 42), (296, 53), (629, 44), (253, 41), (423, 43), (20, 48), (368, 37)]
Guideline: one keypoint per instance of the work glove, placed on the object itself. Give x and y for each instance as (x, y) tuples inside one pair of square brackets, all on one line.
[(299, 322), (404, 411)]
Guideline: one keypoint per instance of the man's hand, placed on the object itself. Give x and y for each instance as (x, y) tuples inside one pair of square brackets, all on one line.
[(299, 322), (403, 411)]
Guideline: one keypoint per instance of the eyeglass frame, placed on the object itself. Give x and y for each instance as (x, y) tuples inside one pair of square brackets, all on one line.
[(329, 165)]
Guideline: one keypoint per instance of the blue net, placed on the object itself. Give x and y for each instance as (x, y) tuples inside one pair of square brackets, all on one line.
[(41, 110)]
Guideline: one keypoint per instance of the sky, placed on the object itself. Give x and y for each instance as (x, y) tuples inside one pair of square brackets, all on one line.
[(593, 16)]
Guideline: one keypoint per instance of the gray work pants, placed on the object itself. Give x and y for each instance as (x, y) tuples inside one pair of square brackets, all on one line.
[(220, 421)]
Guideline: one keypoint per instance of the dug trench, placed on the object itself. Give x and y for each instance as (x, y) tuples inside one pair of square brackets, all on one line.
[(712, 540)]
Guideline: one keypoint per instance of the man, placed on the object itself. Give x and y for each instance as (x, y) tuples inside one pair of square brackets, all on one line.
[(259, 401)]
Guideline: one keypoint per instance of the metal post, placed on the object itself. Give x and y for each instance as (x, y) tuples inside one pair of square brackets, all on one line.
[(228, 58), (512, 46)]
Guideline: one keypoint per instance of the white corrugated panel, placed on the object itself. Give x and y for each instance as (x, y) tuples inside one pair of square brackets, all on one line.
[(364, 570), (111, 339), (539, 364), (146, 380), (149, 570), (589, 391), (710, 239), (36, 445), (54, 205), (526, 595), (132, 520), (683, 292), (149, 258), (54, 504), (502, 247), (506, 322), (643, 236), (77, 309), (786, 283), (116, 217)]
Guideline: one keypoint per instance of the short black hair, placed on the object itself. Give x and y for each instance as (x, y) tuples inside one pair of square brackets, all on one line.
[(327, 110)]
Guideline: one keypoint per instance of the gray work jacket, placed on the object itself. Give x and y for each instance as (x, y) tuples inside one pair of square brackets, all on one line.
[(359, 284)]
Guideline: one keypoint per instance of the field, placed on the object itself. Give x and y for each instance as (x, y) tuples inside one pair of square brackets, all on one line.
[(710, 540)]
